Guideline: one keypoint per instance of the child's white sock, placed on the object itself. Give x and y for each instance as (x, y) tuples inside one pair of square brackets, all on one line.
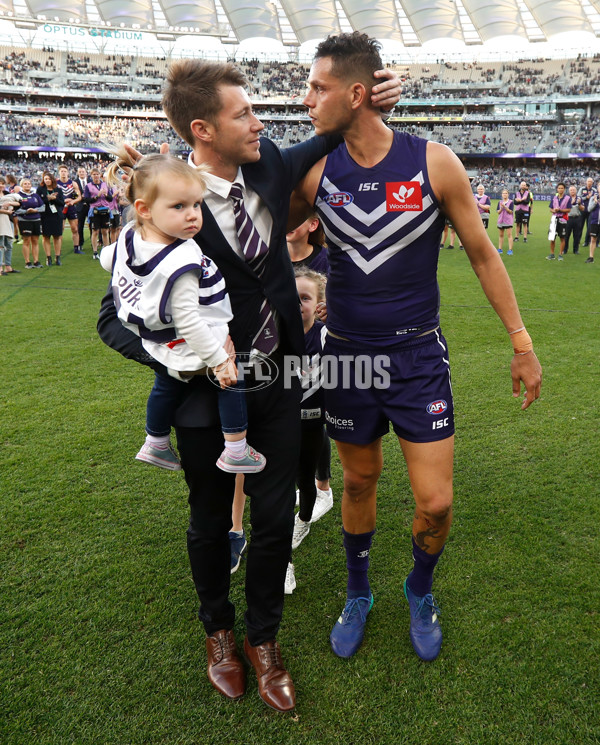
[(161, 442), (236, 449)]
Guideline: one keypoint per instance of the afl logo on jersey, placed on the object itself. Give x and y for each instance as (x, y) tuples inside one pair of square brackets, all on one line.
[(437, 407), (339, 199), (403, 196)]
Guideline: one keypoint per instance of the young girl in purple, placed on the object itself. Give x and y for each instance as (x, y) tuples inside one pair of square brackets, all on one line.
[(505, 211)]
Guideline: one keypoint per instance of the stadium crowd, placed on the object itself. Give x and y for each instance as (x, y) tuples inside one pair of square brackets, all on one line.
[(84, 65), (90, 121), (466, 138), (442, 80)]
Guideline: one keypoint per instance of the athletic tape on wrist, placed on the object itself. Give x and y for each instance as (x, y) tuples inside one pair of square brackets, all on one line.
[(521, 341)]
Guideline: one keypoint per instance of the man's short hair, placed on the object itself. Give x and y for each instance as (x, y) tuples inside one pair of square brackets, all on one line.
[(352, 55), (192, 92)]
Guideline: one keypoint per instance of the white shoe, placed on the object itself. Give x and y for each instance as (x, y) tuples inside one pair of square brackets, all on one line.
[(323, 503), (290, 580), (297, 497), (301, 530)]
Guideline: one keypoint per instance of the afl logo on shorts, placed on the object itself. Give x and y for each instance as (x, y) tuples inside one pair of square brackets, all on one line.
[(339, 199), (403, 196), (437, 407)]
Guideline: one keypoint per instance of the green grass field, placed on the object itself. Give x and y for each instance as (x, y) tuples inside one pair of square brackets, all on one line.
[(99, 641)]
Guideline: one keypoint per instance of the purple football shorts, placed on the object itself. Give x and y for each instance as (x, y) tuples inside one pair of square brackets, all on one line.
[(408, 385)]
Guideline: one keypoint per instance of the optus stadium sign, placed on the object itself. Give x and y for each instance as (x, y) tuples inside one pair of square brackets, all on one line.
[(108, 33)]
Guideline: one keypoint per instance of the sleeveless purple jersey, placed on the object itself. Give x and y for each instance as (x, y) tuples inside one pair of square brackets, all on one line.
[(383, 227)]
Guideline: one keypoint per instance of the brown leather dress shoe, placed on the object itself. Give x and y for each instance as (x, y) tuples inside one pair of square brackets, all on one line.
[(225, 668), (275, 685)]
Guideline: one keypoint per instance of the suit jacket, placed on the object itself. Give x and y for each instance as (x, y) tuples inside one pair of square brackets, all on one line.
[(273, 177), (81, 184)]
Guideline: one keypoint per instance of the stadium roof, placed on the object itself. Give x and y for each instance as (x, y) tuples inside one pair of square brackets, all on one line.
[(293, 22)]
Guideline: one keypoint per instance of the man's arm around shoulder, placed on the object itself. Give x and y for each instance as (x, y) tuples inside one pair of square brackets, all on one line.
[(300, 158)]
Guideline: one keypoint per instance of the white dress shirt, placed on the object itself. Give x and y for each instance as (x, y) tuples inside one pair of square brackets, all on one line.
[(218, 202), (221, 207)]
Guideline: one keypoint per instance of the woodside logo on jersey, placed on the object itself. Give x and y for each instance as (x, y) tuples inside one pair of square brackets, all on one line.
[(403, 196)]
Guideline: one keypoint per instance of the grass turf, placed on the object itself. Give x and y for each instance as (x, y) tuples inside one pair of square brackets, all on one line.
[(98, 635)]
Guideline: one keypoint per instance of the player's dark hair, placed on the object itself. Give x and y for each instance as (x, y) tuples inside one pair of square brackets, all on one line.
[(352, 55), (192, 92)]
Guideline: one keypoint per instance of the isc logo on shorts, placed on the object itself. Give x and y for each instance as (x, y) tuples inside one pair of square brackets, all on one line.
[(339, 199), (403, 196), (437, 407)]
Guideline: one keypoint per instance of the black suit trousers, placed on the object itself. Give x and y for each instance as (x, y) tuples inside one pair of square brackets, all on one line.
[(81, 218), (274, 430)]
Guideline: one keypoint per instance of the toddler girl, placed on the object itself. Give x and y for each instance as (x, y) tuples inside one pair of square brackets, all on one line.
[(174, 297)]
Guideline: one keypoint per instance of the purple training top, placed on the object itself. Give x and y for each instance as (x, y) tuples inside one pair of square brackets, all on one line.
[(480, 202), (505, 219), (564, 203)]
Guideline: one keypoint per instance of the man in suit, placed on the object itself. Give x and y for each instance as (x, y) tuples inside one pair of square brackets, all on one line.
[(208, 106)]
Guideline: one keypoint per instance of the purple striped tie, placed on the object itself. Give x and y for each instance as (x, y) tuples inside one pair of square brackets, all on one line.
[(255, 252)]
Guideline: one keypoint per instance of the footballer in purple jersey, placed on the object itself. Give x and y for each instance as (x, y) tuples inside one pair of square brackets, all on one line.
[(383, 197), (73, 196)]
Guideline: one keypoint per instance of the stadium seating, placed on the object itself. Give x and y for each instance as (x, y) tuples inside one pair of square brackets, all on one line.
[(66, 100)]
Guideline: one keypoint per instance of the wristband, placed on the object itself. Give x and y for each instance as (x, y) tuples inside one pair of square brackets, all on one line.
[(521, 341)]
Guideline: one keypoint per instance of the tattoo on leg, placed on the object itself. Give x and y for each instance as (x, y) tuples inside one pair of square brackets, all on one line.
[(420, 538)]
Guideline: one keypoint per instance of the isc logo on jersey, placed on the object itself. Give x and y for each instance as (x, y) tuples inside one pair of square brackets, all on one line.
[(339, 199), (403, 196)]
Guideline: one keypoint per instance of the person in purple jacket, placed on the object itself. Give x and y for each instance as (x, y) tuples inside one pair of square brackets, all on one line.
[(30, 223), (382, 196)]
